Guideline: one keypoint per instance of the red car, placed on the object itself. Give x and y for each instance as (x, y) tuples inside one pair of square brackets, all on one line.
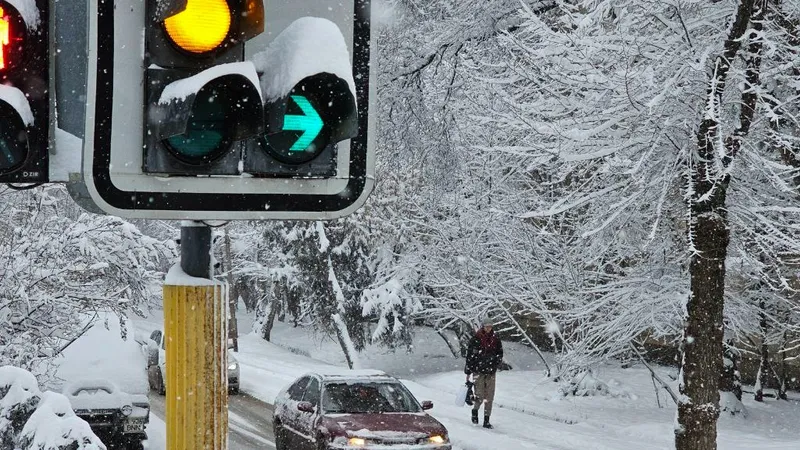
[(354, 410)]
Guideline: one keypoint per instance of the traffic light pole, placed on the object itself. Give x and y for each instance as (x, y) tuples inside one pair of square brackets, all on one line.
[(195, 329)]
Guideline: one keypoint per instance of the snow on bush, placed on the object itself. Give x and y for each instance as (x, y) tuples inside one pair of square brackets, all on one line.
[(54, 426), (19, 395), (32, 420), (390, 303), (585, 384), (728, 402)]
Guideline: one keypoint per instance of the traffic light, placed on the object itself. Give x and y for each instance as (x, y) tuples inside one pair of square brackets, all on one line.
[(24, 92), (201, 101), (227, 112), (303, 128)]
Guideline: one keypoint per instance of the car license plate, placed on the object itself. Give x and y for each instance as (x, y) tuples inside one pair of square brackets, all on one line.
[(130, 427)]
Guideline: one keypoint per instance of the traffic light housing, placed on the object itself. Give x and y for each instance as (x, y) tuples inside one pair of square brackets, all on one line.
[(303, 128), (24, 93), (178, 128), (201, 100)]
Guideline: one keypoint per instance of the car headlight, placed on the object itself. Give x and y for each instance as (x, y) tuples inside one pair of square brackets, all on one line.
[(233, 366), (127, 410), (437, 439), (356, 442)]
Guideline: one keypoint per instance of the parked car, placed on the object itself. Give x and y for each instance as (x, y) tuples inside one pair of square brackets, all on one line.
[(157, 365), (117, 418), (354, 409)]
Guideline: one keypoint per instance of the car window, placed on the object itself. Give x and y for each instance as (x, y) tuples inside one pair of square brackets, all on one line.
[(312, 393), (296, 391), (361, 398), (156, 336)]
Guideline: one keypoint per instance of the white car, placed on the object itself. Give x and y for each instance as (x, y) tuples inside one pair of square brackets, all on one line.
[(116, 417), (157, 365)]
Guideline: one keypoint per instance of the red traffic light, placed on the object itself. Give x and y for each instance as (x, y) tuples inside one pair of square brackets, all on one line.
[(12, 37)]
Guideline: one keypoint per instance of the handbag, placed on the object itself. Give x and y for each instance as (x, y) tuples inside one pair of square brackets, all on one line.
[(470, 398), (461, 395)]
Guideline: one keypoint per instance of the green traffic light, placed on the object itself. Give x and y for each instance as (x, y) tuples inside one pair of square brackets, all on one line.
[(310, 124)]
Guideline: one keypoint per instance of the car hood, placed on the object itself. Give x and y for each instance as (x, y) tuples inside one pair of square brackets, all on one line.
[(383, 425)]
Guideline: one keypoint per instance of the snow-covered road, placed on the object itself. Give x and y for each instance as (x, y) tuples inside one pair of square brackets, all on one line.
[(249, 421)]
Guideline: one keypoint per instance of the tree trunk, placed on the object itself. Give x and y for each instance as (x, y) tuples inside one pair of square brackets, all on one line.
[(450, 345), (782, 377), (343, 336), (698, 409), (762, 377), (269, 321)]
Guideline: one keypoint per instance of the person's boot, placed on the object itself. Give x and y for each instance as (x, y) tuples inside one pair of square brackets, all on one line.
[(486, 423), (475, 416)]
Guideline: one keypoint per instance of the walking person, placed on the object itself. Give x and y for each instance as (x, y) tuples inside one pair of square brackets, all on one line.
[(484, 356)]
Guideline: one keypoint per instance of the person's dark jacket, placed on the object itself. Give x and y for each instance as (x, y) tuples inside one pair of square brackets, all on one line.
[(484, 354)]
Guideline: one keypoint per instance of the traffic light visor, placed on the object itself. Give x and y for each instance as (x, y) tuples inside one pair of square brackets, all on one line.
[(201, 27)]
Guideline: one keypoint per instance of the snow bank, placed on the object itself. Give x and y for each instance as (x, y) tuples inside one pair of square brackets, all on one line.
[(67, 158), (156, 434)]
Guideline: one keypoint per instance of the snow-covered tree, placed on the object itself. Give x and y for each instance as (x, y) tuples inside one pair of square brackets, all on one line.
[(58, 267), (636, 119)]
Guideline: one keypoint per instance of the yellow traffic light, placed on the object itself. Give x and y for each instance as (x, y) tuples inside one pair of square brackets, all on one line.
[(201, 27)]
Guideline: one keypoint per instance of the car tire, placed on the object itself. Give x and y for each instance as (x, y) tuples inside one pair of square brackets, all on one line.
[(322, 443), (280, 436), (234, 390), (162, 387)]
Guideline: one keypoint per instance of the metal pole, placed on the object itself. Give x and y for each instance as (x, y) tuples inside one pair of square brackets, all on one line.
[(195, 330), (196, 250), (233, 293)]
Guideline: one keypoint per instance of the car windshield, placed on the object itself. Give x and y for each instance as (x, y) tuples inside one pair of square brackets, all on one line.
[(364, 398)]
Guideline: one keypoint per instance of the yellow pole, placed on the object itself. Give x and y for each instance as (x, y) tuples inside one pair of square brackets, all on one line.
[(195, 329)]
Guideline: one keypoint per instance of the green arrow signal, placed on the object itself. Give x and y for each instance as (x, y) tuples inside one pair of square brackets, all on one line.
[(309, 123)]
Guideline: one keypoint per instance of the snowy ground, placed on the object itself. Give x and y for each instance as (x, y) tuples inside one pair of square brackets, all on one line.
[(529, 412)]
